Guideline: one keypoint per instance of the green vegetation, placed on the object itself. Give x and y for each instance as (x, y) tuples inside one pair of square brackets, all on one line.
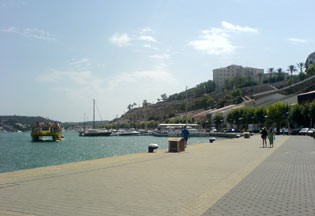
[(203, 102), (239, 82), (208, 102), (198, 91), (218, 120), (311, 70), (278, 115), (21, 123), (291, 68), (203, 96), (273, 79)]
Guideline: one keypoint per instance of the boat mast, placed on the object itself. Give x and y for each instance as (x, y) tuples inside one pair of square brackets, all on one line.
[(84, 122), (186, 105), (93, 113)]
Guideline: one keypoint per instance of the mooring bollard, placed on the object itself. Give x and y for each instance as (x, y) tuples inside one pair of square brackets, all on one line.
[(152, 147), (212, 139)]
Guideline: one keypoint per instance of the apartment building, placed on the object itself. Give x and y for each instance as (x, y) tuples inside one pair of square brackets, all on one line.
[(310, 60), (221, 74)]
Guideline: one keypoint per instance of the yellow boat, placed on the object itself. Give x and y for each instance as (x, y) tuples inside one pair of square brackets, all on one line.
[(41, 129)]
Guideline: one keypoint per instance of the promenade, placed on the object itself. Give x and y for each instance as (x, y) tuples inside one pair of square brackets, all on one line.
[(228, 177)]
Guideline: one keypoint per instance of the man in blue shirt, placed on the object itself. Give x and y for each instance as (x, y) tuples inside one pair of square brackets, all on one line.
[(185, 134)]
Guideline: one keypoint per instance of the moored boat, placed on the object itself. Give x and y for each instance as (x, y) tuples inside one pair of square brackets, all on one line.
[(129, 133), (42, 129), (95, 132)]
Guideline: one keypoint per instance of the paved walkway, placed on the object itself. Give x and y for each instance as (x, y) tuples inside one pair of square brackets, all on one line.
[(284, 184), (187, 183)]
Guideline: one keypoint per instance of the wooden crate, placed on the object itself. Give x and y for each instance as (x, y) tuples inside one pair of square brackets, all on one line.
[(176, 144)]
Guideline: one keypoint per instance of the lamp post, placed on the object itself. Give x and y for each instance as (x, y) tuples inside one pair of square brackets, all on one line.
[(239, 121), (253, 127), (266, 125), (231, 122), (288, 122)]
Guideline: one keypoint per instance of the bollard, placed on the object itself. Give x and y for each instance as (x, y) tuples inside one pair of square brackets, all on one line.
[(152, 147), (212, 139)]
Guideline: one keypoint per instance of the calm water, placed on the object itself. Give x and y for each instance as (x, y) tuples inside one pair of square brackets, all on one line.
[(18, 152)]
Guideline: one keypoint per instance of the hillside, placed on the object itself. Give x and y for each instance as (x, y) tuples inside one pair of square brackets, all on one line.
[(19, 123), (174, 106)]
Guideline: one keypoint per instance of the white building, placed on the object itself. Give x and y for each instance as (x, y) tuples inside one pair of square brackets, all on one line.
[(310, 60), (221, 74)]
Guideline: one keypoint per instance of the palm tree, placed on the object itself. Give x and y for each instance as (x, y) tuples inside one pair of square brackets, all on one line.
[(301, 66), (270, 70), (291, 68), (279, 70)]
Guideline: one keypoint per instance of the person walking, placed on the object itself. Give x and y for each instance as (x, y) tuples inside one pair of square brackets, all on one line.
[(271, 137), (185, 134), (264, 137)]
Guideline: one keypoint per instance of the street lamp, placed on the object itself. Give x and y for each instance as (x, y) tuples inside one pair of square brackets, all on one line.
[(266, 121), (288, 123), (220, 124), (240, 119)]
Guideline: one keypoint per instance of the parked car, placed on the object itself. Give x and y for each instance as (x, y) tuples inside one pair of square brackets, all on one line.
[(284, 131), (311, 131), (295, 131), (303, 131), (255, 131), (231, 130)]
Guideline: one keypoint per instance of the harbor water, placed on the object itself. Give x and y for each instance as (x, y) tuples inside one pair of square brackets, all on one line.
[(18, 152)]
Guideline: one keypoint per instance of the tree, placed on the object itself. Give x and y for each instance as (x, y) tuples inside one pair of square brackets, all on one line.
[(277, 114), (290, 81), (270, 71), (301, 76), (249, 116), (311, 70), (296, 114), (260, 113), (279, 70), (164, 97), (236, 93), (301, 66), (218, 120), (221, 103), (291, 68), (228, 84), (211, 101)]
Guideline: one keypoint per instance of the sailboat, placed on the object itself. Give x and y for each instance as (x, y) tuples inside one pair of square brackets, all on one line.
[(94, 131)]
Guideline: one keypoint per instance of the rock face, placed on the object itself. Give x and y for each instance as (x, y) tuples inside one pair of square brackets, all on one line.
[(310, 60), (159, 111)]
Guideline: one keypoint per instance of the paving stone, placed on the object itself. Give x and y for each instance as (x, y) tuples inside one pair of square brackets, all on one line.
[(284, 184)]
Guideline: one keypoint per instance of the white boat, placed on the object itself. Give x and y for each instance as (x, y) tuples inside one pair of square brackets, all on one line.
[(129, 133), (160, 133), (175, 130), (94, 131)]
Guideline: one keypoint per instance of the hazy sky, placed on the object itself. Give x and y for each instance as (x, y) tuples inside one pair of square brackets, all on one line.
[(56, 56)]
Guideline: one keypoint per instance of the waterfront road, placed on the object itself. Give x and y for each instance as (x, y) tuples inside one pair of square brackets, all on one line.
[(228, 177)]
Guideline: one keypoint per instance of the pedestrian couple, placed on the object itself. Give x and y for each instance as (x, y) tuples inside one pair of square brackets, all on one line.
[(270, 135)]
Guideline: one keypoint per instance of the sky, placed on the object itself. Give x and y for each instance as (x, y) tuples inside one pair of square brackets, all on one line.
[(57, 56)]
